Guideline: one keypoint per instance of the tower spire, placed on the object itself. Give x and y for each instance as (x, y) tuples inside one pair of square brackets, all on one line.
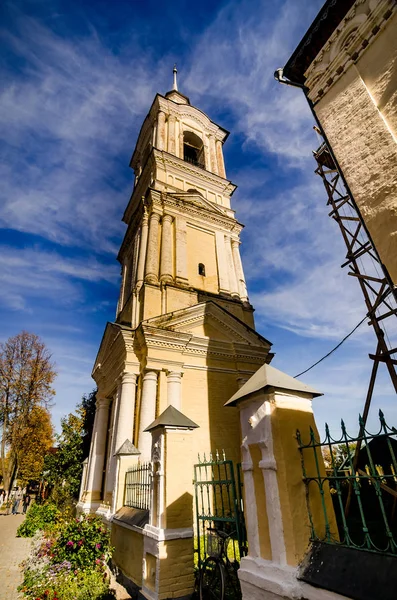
[(175, 71)]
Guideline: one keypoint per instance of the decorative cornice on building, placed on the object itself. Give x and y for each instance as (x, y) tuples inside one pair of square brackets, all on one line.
[(162, 159), (347, 43)]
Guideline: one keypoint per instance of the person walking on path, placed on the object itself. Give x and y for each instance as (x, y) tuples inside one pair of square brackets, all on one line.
[(26, 502), (17, 500), (1, 498)]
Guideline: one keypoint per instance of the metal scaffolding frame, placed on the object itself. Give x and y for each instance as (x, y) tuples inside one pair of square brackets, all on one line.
[(364, 264)]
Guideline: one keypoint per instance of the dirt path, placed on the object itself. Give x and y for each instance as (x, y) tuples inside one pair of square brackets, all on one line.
[(12, 551)]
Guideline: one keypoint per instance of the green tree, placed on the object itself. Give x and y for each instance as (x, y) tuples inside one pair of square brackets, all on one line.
[(26, 377), (63, 468)]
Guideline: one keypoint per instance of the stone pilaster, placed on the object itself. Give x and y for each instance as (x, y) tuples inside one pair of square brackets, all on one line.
[(147, 413), (174, 389), (221, 259), (142, 249), (171, 134), (214, 166), (232, 272), (242, 288), (219, 159), (180, 140), (161, 130), (152, 259), (181, 251), (166, 250), (98, 448), (126, 410)]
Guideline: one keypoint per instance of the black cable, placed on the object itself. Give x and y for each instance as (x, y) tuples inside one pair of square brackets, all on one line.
[(333, 350)]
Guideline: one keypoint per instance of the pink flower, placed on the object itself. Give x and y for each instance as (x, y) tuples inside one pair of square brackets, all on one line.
[(97, 546), (69, 543)]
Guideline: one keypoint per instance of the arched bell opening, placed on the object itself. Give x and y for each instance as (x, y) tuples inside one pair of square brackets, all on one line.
[(193, 149)]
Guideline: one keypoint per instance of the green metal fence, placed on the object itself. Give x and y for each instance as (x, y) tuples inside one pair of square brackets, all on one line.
[(219, 505), (360, 476)]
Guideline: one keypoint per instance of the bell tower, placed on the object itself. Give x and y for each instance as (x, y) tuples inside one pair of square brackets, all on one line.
[(182, 242), (183, 340)]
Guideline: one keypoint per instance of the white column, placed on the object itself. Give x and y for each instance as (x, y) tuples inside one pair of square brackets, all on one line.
[(142, 249), (161, 130), (242, 288), (232, 272), (147, 413), (221, 259), (219, 158), (166, 250), (98, 447), (111, 442), (214, 166), (181, 251), (174, 389), (125, 414), (152, 259), (171, 134)]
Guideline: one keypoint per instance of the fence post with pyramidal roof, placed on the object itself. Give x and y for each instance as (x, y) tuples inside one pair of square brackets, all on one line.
[(272, 406), (168, 552)]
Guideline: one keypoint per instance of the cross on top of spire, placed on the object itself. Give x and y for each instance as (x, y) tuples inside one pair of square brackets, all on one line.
[(175, 71)]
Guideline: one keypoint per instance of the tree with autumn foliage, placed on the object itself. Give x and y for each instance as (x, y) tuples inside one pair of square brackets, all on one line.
[(36, 439), (26, 378)]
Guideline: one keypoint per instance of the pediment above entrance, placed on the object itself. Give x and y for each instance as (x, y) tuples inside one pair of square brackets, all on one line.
[(208, 320), (195, 198)]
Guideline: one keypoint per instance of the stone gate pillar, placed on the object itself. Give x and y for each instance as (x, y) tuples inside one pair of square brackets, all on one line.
[(168, 553), (272, 407)]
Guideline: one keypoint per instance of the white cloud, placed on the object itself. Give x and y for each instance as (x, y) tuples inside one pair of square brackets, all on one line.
[(66, 121), (28, 274)]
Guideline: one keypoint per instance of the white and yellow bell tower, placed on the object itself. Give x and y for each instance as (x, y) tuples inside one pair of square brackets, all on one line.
[(182, 241), (183, 340)]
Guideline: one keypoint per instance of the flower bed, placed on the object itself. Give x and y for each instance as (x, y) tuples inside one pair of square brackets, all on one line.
[(69, 562)]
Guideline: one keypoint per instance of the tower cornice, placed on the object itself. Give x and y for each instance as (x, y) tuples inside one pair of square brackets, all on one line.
[(218, 184)]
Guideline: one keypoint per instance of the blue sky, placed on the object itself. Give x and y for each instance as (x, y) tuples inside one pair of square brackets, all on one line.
[(78, 79)]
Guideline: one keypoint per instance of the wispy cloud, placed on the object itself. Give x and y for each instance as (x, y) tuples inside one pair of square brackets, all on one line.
[(30, 274), (66, 121)]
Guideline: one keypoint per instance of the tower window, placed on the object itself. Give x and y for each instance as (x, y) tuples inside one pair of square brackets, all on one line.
[(201, 269), (193, 149)]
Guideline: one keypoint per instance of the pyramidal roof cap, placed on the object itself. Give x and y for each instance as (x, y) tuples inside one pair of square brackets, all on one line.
[(127, 448), (172, 417), (267, 377)]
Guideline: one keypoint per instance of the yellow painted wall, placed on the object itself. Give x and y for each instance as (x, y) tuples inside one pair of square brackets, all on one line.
[(151, 305), (201, 249), (176, 569), (203, 396), (128, 552), (285, 422), (179, 475)]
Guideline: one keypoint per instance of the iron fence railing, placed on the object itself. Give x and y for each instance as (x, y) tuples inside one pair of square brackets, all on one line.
[(352, 483), (138, 481), (219, 506), (194, 162)]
